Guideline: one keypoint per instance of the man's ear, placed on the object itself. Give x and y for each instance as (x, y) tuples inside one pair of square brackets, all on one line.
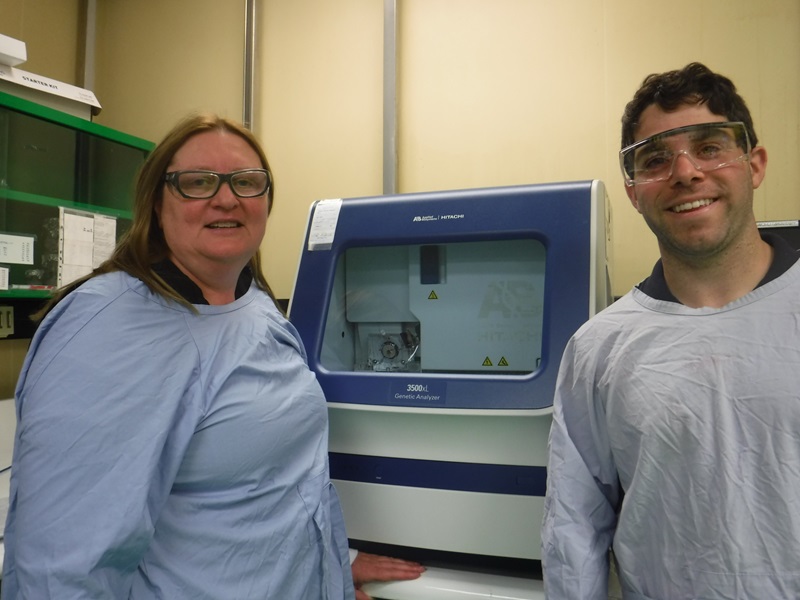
[(758, 165), (631, 191)]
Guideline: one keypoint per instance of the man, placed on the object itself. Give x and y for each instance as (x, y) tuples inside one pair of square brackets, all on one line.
[(676, 430)]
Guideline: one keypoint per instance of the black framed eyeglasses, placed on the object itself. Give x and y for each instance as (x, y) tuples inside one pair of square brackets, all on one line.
[(201, 185), (709, 146)]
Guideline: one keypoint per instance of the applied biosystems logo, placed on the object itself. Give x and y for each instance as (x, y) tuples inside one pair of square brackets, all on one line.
[(422, 218)]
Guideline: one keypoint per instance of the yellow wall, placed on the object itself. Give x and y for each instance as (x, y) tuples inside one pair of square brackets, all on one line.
[(505, 92), (51, 30), (157, 61), (320, 114), (490, 93), (515, 91)]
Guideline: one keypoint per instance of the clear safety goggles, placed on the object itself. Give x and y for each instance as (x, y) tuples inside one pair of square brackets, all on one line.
[(708, 146)]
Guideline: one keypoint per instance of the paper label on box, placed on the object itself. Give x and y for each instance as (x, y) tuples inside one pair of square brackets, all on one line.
[(323, 224), (16, 249), (85, 240)]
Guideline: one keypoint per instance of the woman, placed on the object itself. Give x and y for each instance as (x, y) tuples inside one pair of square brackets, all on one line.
[(171, 440)]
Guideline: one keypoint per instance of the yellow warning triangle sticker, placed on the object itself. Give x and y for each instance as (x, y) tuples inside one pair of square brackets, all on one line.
[(503, 362), (487, 362), (433, 296)]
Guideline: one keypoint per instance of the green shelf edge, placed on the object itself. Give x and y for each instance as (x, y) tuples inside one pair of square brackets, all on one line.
[(57, 202), (20, 293), (61, 118)]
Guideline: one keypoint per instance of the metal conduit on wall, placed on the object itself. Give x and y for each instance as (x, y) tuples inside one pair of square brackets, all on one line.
[(89, 37), (249, 64), (389, 85), (390, 97)]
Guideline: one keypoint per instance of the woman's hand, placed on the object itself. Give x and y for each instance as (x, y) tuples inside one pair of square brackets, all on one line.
[(372, 567)]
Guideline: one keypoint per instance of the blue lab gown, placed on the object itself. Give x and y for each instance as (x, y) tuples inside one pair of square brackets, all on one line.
[(676, 438), (163, 454)]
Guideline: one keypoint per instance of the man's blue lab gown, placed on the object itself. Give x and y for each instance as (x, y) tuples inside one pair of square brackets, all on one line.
[(692, 415)]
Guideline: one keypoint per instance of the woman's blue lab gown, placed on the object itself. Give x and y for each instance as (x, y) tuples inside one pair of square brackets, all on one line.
[(165, 454)]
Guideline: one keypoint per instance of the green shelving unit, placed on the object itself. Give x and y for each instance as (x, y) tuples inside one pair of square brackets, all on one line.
[(49, 161)]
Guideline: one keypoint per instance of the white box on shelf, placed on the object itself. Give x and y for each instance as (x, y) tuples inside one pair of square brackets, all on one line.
[(55, 94), (12, 52)]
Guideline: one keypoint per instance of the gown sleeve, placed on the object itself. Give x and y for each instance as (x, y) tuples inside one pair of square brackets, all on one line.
[(104, 414), (582, 490), (339, 545)]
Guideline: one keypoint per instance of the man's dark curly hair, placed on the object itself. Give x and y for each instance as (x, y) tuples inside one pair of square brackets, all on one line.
[(693, 84)]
